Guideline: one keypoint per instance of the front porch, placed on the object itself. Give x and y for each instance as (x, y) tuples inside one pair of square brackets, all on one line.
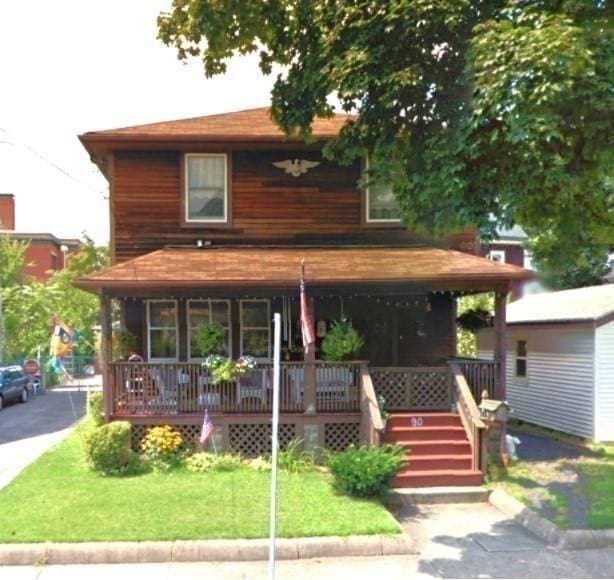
[(401, 300)]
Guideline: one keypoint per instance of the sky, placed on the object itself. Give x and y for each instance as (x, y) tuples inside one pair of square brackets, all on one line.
[(71, 66)]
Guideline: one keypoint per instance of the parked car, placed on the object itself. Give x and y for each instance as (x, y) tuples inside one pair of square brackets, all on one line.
[(13, 385)]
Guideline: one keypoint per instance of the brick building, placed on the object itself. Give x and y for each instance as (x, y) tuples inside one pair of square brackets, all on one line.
[(46, 253)]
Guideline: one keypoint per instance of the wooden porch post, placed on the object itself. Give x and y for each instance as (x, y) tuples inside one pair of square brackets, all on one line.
[(500, 345), (105, 344)]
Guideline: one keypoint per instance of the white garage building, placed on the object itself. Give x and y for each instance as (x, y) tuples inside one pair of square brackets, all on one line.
[(560, 360)]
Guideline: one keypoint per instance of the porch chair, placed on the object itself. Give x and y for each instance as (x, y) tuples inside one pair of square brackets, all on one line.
[(253, 386)]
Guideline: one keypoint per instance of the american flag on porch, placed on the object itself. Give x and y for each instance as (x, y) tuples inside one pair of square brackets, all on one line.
[(307, 325), (207, 429)]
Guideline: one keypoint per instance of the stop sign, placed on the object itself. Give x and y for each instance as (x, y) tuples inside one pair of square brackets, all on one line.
[(31, 366)]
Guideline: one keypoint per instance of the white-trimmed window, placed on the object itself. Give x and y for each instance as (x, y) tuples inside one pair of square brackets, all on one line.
[(256, 328), (497, 256), (521, 359), (162, 335), (380, 203), (206, 312), (206, 188)]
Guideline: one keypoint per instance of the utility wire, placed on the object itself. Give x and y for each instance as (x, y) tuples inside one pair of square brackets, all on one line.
[(53, 164)]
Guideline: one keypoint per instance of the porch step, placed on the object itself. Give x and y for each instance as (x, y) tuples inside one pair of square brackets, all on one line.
[(438, 452), (424, 420), (407, 496), (437, 478), (438, 462), (445, 447), (410, 434)]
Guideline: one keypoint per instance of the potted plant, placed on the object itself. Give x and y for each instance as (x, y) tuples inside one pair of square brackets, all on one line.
[(209, 338), (225, 369), (342, 340), (384, 414), (124, 343)]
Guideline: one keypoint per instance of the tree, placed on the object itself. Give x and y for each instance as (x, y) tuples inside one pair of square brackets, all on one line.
[(12, 258), (469, 109), (29, 305)]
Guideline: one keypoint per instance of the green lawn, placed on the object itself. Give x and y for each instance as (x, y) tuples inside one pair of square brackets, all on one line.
[(58, 499)]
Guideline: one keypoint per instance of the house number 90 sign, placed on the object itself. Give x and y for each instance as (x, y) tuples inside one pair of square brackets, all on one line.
[(417, 422)]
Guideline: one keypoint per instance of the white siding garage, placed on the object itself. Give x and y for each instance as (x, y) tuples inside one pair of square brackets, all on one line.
[(560, 360)]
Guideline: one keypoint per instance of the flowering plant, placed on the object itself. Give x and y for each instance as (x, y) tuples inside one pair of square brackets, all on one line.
[(161, 446), (246, 364), (225, 369)]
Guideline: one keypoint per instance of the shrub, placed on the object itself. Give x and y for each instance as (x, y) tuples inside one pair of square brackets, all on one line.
[(365, 471), (260, 464), (94, 408), (107, 448), (341, 340), (200, 462), (293, 459), (161, 446), (228, 462)]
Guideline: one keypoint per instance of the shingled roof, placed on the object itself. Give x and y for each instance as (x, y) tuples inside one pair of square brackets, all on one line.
[(270, 267), (251, 124), (589, 304)]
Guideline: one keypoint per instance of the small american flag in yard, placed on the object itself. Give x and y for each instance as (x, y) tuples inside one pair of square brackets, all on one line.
[(207, 429)]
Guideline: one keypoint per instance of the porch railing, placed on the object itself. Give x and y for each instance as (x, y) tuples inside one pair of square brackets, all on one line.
[(371, 425), (481, 375), (175, 388), (416, 388), (470, 418)]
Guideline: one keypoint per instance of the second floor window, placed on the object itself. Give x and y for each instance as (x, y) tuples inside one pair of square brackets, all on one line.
[(381, 203), (206, 189)]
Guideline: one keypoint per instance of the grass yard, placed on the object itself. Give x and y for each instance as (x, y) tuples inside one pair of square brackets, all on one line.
[(58, 499), (575, 491)]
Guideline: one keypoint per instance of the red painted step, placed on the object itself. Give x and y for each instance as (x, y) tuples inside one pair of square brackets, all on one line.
[(452, 447), (438, 451), (407, 434), (424, 420), (438, 462), (437, 478)]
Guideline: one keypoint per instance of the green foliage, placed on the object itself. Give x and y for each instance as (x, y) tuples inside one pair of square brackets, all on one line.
[(29, 305), (474, 319), (200, 462), (204, 462), (383, 409), (209, 338), (366, 471), (95, 404), (124, 343), (107, 448), (12, 258), (467, 109), (293, 459), (466, 340), (51, 377), (341, 340)]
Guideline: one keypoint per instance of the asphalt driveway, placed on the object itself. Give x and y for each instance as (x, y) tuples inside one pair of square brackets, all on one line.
[(28, 430)]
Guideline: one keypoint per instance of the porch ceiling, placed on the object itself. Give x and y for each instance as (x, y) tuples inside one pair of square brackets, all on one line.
[(187, 269)]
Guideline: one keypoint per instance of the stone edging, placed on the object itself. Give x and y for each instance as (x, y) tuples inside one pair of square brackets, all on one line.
[(545, 529), (202, 550)]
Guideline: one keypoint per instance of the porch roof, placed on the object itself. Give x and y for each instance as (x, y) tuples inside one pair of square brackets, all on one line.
[(278, 267)]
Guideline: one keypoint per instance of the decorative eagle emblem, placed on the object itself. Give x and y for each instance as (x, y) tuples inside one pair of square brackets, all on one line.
[(296, 167)]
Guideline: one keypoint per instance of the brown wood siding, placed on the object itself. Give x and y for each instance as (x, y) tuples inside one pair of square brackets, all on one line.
[(268, 205)]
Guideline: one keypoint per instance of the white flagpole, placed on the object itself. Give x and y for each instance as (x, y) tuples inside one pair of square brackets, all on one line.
[(274, 442)]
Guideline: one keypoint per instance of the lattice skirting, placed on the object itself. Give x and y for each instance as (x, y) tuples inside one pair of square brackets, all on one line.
[(338, 436), (407, 388), (250, 440)]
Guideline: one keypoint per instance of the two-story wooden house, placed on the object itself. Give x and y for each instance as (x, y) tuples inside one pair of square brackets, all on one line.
[(210, 220)]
